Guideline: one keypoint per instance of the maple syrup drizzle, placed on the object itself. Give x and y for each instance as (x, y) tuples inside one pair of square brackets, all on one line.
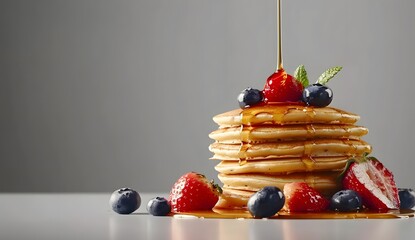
[(310, 113), (244, 214), (242, 153), (245, 133), (245, 118), (248, 117), (279, 31), (348, 131), (311, 131), (307, 158)]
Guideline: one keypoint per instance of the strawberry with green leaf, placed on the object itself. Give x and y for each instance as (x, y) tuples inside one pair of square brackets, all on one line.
[(193, 192), (373, 182)]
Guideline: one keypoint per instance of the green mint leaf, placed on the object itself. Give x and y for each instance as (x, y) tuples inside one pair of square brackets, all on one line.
[(328, 74), (301, 75)]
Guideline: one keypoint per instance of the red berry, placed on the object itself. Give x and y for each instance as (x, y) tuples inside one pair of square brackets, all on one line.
[(374, 183), (281, 87), (193, 192), (300, 197)]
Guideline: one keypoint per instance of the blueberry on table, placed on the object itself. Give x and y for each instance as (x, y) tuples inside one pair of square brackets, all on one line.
[(346, 201), (158, 206), (249, 97), (317, 95), (407, 198), (125, 200), (266, 202)]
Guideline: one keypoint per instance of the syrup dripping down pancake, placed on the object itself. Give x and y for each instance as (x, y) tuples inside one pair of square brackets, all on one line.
[(314, 148), (278, 133), (324, 182), (238, 199), (276, 144), (284, 114), (233, 199), (282, 166)]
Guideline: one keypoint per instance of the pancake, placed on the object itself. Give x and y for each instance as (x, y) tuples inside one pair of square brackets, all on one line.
[(324, 182), (284, 114), (233, 199), (238, 199), (314, 148), (275, 133), (282, 166), (276, 144)]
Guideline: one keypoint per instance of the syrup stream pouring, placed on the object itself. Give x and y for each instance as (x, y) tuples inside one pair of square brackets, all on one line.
[(279, 53)]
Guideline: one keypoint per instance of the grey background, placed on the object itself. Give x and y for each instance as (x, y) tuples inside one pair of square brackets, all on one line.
[(96, 95)]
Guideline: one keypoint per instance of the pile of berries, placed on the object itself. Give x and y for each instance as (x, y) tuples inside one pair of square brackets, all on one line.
[(191, 192), (366, 184), (282, 87)]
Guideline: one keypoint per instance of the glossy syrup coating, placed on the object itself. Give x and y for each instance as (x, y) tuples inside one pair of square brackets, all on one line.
[(364, 214), (282, 87)]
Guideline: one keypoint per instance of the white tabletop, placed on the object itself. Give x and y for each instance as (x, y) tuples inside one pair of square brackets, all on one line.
[(88, 216)]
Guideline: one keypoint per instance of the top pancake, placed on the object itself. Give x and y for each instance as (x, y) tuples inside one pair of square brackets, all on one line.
[(284, 114)]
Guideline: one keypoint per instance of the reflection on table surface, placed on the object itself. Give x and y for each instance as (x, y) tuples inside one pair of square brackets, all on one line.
[(88, 216)]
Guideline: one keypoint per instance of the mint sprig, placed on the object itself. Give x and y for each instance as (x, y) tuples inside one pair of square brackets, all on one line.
[(301, 75), (328, 74)]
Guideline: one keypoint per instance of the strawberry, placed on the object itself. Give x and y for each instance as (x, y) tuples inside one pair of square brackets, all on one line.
[(300, 197), (281, 87), (193, 192), (374, 183)]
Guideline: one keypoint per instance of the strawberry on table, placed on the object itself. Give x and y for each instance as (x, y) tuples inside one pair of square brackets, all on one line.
[(300, 197), (374, 183), (193, 192)]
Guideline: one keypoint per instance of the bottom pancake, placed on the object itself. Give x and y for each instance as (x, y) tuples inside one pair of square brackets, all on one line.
[(324, 182), (233, 199)]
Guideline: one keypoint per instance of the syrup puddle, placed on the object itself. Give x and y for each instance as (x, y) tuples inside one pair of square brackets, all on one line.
[(242, 214)]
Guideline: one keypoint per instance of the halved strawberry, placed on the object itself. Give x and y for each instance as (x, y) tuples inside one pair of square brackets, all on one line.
[(193, 192), (300, 197), (282, 87), (374, 183)]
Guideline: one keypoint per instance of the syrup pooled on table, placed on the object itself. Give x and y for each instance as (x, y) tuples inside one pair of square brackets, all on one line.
[(238, 214)]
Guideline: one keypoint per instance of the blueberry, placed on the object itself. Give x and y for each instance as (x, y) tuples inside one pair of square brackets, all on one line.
[(266, 202), (158, 206), (346, 201), (249, 97), (407, 198), (317, 95), (125, 200)]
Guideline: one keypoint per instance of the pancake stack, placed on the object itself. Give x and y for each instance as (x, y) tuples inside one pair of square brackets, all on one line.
[(271, 145)]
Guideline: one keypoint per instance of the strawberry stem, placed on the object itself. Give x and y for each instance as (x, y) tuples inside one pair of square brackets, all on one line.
[(364, 158)]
